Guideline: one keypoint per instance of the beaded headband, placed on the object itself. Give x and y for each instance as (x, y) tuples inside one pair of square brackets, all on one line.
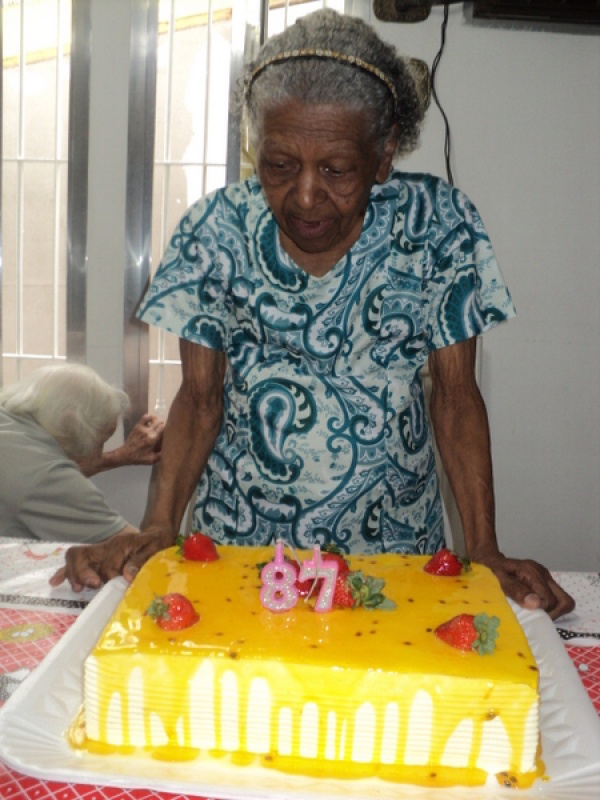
[(307, 52)]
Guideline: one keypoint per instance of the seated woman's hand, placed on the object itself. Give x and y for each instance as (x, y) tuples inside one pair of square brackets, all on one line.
[(92, 565), (529, 584), (142, 446)]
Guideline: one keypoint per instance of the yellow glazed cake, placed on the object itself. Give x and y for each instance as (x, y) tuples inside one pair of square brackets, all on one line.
[(341, 694)]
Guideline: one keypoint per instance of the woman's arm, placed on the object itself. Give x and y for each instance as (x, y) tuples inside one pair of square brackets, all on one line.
[(460, 424), (142, 446), (461, 430), (85, 563), (190, 433), (192, 427)]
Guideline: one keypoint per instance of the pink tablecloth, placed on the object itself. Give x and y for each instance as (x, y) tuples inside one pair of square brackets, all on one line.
[(33, 618)]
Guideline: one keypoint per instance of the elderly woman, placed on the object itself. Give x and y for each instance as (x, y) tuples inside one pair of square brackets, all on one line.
[(307, 301), (53, 428)]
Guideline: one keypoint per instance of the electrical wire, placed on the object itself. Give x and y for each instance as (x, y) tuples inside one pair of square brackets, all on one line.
[(434, 94)]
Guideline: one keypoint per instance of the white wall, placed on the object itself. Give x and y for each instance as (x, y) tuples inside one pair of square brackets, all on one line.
[(524, 110)]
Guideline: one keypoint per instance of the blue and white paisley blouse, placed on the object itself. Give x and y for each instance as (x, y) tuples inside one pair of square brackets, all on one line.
[(325, 438)]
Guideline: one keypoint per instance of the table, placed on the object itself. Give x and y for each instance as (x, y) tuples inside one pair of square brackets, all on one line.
[(33, 618)]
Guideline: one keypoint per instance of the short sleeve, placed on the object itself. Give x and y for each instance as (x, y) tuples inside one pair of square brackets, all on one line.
[(464, 291), (188, 295)]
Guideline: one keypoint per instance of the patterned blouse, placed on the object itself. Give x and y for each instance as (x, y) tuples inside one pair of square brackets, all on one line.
[(325, 437)]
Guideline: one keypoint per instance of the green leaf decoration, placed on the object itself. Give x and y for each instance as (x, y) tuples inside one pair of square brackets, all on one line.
[(465, 563), (367, 592), (386, 605), (158, 609), (487, 633)]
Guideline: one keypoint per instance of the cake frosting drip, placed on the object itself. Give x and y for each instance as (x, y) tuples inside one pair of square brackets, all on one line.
[(338, 694)]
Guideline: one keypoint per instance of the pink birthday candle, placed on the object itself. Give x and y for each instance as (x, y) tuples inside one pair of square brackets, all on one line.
[(278, 592), (319, 567)]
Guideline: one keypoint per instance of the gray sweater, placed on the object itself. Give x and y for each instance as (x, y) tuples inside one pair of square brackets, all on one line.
[(43, 494)]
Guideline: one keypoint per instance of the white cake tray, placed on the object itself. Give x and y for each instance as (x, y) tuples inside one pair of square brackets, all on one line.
[(34, 720)]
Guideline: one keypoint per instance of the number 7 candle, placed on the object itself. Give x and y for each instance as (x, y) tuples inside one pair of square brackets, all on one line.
[(317, 567)]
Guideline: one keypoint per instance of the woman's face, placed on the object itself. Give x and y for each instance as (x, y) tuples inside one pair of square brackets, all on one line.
[(317, 164)]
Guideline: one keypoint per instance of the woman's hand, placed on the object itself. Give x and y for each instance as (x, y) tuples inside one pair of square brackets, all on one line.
[(529, 584), (142, 446), (461, 428), (92, 565)]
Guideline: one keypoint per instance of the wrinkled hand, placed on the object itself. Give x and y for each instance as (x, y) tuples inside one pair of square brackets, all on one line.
[(530, 584), (92, 565), (142, 446)]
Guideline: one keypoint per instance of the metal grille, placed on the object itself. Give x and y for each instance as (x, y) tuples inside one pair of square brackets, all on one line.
[(35, 90), (202, 47)]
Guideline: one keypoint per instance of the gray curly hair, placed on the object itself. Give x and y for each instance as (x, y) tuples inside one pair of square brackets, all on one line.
[(71, 402), (327, 80)]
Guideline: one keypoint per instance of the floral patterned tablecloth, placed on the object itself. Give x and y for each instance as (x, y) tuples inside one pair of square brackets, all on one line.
[(34, 616)]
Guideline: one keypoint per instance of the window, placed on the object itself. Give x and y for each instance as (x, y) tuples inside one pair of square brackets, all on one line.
[(36, 48), (49, 310)]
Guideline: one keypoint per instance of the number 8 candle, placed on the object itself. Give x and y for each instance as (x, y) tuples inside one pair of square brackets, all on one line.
[(278, 592)]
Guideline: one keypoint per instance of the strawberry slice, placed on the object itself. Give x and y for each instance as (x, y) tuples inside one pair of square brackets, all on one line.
[(447, 564), (468, 632), (198, 547), (173, 612)]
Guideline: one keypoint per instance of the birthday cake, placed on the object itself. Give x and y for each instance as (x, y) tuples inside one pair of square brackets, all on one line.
[(195, 662)]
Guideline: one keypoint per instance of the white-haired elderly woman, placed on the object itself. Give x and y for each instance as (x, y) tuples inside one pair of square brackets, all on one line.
[(307, 300), (53, 427)]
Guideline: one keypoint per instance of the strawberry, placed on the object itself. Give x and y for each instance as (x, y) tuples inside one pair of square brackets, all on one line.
[(307, 587), (343, 568), (342, 593), (447, 563), (304, 588), (469, 632), (172, 612), (355, 589), (198, 547)]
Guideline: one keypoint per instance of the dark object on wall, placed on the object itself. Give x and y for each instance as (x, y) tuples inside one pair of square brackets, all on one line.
[(583, 12), (407, 10), (402, 10), (422, 76)]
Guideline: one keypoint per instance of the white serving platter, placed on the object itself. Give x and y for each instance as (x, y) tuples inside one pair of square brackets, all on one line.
[(34, 721)]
